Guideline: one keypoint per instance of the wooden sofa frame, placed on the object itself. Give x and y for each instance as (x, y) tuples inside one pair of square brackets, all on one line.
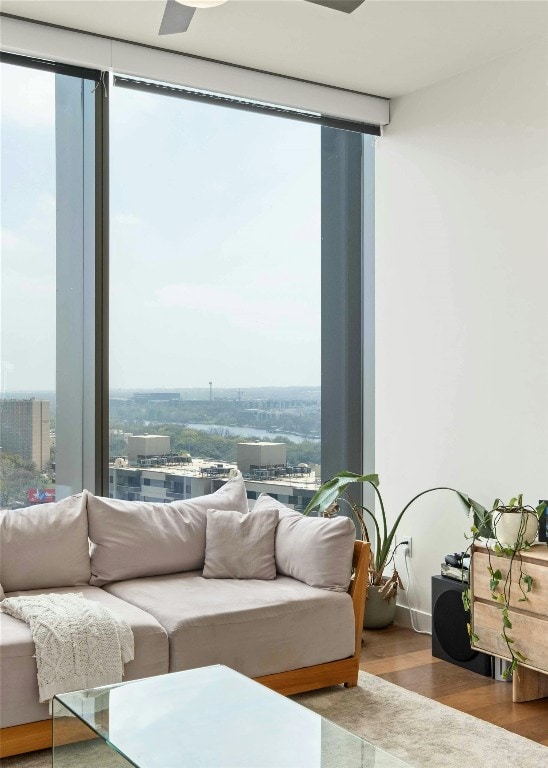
[(29, 737)]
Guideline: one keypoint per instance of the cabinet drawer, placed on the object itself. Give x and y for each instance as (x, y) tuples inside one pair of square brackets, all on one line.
[(537, 598), (529, 632)]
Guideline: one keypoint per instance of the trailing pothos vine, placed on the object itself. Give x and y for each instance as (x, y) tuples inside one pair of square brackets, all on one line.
[(501, 587)]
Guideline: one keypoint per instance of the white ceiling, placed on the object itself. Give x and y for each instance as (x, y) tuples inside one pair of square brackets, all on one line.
[(386, 47)]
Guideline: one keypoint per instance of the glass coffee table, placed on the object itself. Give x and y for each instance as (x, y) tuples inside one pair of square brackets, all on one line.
[(211, 717)]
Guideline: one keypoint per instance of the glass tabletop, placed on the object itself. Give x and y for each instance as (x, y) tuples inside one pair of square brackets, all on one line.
[(211, 717)]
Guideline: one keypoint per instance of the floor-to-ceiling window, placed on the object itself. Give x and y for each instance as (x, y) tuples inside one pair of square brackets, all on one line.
[(232, 299), (28, 288), (46, 197), (236, 270), (215, 298)]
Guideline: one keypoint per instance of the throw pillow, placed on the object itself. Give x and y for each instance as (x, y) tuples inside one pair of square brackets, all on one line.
[(45, 545), (315, 550), (240, 546), (136, 538)]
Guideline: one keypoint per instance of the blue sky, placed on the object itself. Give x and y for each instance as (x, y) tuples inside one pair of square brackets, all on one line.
[(215, 242)]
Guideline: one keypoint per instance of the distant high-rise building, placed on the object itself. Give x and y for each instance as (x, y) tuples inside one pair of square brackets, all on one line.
[(25, 430)]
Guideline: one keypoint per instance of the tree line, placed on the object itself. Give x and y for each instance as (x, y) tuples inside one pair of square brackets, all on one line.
[(217, 445)]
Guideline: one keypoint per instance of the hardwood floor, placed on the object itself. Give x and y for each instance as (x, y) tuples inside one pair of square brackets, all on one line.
[(403, 657)]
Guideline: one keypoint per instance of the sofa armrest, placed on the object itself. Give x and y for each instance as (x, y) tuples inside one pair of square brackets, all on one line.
[(358, 587)]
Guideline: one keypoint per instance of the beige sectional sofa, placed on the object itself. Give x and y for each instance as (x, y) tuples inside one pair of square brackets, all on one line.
[(298, 631)]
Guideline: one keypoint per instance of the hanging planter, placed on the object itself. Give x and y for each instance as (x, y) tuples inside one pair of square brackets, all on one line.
[(515, 526)]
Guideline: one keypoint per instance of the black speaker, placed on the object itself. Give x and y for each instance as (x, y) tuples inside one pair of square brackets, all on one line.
[(450, 640)]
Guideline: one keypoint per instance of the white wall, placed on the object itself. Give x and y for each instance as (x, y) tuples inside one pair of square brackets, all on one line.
[(462, 300)]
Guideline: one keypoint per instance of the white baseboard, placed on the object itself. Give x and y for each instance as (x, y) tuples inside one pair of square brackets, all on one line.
[(423, 620)]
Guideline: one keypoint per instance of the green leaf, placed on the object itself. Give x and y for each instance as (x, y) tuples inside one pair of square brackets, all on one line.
[(467, 502), (496, 576), (474, 638), (510, 670), (345, 477), (507, 624), (470, 504), (520, 656), (324, 496), (332, 489), (528, 580), (507, 551), (499, 598)]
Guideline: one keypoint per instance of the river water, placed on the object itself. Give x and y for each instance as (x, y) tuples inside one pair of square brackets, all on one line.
[(252, 432)]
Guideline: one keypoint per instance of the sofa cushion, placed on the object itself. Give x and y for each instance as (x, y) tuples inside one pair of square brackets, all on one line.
[(316, 550), (134, 538), (19, 700), (240, 546), (45, 545), (255, 627)]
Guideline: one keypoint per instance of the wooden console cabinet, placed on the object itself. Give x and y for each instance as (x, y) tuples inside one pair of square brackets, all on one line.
[(529, 619)]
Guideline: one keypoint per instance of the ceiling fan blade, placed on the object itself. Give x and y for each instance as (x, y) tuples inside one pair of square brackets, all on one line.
[(176, 18), (347, 6)]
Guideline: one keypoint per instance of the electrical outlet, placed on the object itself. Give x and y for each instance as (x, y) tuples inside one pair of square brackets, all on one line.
[(408, 549)]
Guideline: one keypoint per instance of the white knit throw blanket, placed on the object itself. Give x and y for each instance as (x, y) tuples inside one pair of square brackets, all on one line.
[(79, 643)]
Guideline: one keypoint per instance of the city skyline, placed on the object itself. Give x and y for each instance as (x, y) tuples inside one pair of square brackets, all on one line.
[(38, 393)]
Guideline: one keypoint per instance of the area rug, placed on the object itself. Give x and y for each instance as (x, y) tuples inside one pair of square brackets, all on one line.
[(421, 732)]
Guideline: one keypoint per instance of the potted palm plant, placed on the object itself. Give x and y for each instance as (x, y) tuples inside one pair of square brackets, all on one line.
[(382, 589)]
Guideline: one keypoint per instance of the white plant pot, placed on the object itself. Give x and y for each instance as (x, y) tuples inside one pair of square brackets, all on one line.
[(509, 524)]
